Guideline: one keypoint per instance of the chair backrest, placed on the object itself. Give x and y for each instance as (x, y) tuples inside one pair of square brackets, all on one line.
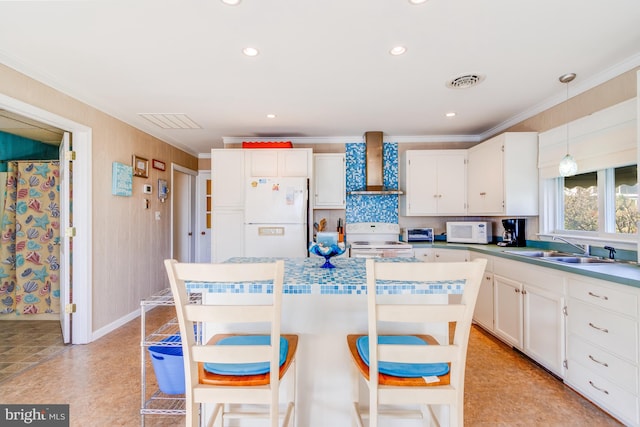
[(191, 314), (422, 313)]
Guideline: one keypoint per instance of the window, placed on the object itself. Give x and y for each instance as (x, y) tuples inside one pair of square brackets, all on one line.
[(604, 201)]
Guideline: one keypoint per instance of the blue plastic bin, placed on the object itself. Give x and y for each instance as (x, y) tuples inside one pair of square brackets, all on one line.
[(168, 366)]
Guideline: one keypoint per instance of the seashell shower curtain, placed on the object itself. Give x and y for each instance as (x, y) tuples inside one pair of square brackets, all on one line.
[(29, 239)]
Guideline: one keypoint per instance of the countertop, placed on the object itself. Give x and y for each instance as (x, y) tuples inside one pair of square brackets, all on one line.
[(304, 276), (619, 272)]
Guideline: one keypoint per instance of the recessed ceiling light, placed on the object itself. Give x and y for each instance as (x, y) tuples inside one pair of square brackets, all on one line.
[(250, 51), (271, 116), (397, 50), (417, 1), (231, 2), (451, 114)]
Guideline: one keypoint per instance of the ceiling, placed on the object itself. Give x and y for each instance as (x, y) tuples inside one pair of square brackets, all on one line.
[(324, 67)]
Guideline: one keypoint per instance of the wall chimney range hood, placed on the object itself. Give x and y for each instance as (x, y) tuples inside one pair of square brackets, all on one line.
[(374, 168)]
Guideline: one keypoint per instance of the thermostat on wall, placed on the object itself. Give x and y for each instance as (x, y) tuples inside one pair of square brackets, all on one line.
[(146, 189)]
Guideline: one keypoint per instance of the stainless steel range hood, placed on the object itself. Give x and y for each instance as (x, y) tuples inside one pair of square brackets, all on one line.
[(374, 167)]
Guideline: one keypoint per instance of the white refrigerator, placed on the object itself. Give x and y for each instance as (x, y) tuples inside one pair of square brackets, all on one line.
[(275, 217)]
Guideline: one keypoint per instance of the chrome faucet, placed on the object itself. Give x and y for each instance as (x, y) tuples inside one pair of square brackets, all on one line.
[(584, 248)]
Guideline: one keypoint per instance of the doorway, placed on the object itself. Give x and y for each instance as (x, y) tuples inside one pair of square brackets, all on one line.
[(183, 193), (80, 328)]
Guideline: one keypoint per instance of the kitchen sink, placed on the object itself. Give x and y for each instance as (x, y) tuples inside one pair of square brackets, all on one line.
[(561, 257), (578, 260), (540, 254)]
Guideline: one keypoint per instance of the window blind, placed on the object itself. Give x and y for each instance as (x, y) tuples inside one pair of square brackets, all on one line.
[(605, 139)]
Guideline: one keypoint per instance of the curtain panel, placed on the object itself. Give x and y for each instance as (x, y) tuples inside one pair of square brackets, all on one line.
[(30, 238)]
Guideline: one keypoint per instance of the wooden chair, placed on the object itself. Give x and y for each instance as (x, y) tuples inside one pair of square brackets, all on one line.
[(389, 385), (211, 369)]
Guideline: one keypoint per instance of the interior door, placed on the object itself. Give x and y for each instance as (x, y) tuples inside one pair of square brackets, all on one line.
[(183, 214), (65, 239)]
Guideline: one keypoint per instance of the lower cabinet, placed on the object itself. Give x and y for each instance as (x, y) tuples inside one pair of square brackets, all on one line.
[(508, 310), (584, 330), (544, 327), (483, 313), (602, 345), (529, 312)]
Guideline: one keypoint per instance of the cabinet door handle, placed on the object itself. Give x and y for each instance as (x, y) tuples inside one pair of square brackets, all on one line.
[(524, 292), (598, 388), (604, 297), (483, 193), (605, 330), (517, 291), (606, 365)]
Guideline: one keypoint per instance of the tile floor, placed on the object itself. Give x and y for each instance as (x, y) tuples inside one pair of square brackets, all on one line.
[(24, 344), (101, 382)]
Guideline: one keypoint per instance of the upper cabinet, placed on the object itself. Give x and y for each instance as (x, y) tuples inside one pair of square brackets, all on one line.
[(329, 181), (279, 162), (434, 182), (503, 175), (227, 175)]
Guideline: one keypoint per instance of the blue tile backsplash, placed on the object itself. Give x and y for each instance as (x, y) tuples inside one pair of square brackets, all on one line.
[(360, 208)]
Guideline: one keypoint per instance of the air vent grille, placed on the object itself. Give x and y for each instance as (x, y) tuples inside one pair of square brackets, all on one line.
[(171, 120), (465, 81)]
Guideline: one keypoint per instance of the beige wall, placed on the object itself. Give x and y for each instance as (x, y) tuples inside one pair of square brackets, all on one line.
[(128, 244)]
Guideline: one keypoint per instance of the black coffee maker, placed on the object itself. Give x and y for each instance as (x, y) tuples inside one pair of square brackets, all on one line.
[(514, 232)]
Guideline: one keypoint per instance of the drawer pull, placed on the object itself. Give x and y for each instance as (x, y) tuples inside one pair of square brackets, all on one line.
[(598, 388), (605, 330), (604, 297), (606, 365)]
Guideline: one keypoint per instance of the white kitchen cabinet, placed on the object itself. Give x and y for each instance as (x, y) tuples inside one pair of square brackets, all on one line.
[(227, 175), (440, 255), (434, 182), (544, 330), (602, 346), (508, 310), (502, 175), (329, 181), (279, 162), (228, 234), (529, 305), (483, 313)]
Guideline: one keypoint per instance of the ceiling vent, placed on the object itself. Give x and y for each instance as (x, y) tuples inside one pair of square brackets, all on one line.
[(170, 120), (466, 81)]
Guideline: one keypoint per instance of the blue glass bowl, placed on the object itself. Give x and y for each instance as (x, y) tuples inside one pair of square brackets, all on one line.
[(327, 252)]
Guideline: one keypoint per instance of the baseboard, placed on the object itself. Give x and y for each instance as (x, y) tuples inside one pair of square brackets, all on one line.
[(114, 325)]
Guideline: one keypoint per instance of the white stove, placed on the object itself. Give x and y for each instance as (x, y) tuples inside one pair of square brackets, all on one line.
[(376, 239)]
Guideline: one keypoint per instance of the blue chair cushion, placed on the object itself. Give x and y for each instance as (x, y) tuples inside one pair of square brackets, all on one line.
[(256, 368), (407, 370)]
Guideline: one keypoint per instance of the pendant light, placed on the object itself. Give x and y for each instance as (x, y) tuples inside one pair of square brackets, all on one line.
[(568, 165)]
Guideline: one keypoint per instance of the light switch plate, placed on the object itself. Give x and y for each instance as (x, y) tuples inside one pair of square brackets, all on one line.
[(147, 189)]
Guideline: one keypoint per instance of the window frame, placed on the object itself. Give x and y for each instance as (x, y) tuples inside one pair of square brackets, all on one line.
[(552, 212)]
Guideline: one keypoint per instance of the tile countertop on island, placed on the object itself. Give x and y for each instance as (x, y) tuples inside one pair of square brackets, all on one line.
[(626, 273), (304, 276)]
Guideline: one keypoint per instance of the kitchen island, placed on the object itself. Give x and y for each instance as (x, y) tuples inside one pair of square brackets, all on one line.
[(322, 306)]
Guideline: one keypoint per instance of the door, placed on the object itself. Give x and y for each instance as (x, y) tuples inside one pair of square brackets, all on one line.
[(65, 239), (183, 194), (203, 217), (276, 200), (544, 327), (508, 310)]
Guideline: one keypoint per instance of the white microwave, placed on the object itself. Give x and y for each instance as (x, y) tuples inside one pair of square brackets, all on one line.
[(469, 232)]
